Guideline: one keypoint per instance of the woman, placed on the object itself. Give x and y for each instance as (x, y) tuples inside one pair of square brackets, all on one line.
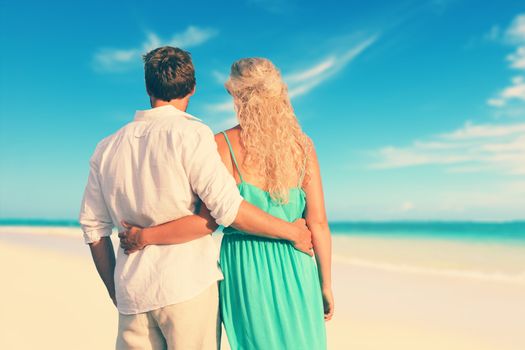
[(272, 296)]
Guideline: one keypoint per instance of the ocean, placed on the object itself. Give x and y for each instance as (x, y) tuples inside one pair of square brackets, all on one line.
[(485, 251), (511, 232)]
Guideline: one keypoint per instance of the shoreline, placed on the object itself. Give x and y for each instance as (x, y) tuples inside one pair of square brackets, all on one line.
[(482, 260), (53, 279)]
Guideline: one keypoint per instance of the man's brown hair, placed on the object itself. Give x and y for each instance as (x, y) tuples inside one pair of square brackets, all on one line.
[(169, 73)]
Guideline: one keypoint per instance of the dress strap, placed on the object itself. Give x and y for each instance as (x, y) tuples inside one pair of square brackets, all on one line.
[(233, 155)]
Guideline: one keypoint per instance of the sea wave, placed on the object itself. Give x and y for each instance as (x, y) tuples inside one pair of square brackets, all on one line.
[(73, 232), (511, 278), (516, 278)]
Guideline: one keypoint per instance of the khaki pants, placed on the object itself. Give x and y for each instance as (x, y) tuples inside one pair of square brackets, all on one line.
[(190, 325)]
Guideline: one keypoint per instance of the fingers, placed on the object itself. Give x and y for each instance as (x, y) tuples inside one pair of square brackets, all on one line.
[(305, 247), (308, 251), (129, 226), (128, 245), (125, 224), (123, 236), (301, 222), (309, 233), (328, 302), (328, 316), (328, 312)]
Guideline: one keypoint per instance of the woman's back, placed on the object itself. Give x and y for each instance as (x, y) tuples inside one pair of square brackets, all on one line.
[(271, 296), (270, 291), (233, 137), (253, 187)]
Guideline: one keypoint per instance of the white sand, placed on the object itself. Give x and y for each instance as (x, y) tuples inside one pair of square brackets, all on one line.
[(52, 297)]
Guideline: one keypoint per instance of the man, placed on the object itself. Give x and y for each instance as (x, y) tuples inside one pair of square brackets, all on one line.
[(151, 171)]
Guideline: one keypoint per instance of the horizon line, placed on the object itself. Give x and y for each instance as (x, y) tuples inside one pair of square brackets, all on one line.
[(75, 223)]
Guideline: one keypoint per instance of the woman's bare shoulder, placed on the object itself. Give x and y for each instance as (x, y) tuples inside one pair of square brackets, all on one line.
[(230, 132), (222, 145), (233, 136)]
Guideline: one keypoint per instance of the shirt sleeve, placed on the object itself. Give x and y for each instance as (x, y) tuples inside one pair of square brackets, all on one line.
[(208, 176), (94, 218)]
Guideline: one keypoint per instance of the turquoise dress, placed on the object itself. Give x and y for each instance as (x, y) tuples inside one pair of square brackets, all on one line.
[(270, 297)]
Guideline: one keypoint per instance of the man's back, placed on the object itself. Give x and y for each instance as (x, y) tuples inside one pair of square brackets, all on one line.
[(147, 173), (141, 170)]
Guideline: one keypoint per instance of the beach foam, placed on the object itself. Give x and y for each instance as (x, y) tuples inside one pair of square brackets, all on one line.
[(404, 268), (71, 232)]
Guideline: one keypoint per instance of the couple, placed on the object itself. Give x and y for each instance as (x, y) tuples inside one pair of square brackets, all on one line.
[(167, 183)]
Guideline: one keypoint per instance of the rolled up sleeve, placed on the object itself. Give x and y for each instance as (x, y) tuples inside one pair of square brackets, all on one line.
[(94, 217), (208, 176)]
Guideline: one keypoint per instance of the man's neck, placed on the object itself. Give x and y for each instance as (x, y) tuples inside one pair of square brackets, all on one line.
[(180, 104)]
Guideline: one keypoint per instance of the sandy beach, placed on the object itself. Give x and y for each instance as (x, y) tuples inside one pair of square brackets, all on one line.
[(390, 294)]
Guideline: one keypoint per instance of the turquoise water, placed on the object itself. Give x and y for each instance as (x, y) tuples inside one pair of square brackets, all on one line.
[(39, 222), (469, 231), (474, 231)]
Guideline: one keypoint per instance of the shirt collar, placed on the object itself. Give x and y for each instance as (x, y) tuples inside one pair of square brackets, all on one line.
[(162, 111)]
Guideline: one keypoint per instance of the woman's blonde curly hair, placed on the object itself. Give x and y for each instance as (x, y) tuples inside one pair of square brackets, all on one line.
[(275, 145)]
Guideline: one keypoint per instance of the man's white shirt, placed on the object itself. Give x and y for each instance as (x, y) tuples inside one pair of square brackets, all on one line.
[(151, 171)]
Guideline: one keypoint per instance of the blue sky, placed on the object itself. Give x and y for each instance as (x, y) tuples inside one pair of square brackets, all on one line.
[(417, 108)]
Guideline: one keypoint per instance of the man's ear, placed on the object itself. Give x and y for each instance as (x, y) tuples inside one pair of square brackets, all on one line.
[(193, 91)]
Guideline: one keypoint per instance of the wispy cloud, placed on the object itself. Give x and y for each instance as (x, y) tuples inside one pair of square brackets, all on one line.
[(303, 81), (221, 107), (513, 35), (219, 77), (517, 59), (493, 34), (516, 91), (472, 131), (114, 60), (119, 60), (472, 148)]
